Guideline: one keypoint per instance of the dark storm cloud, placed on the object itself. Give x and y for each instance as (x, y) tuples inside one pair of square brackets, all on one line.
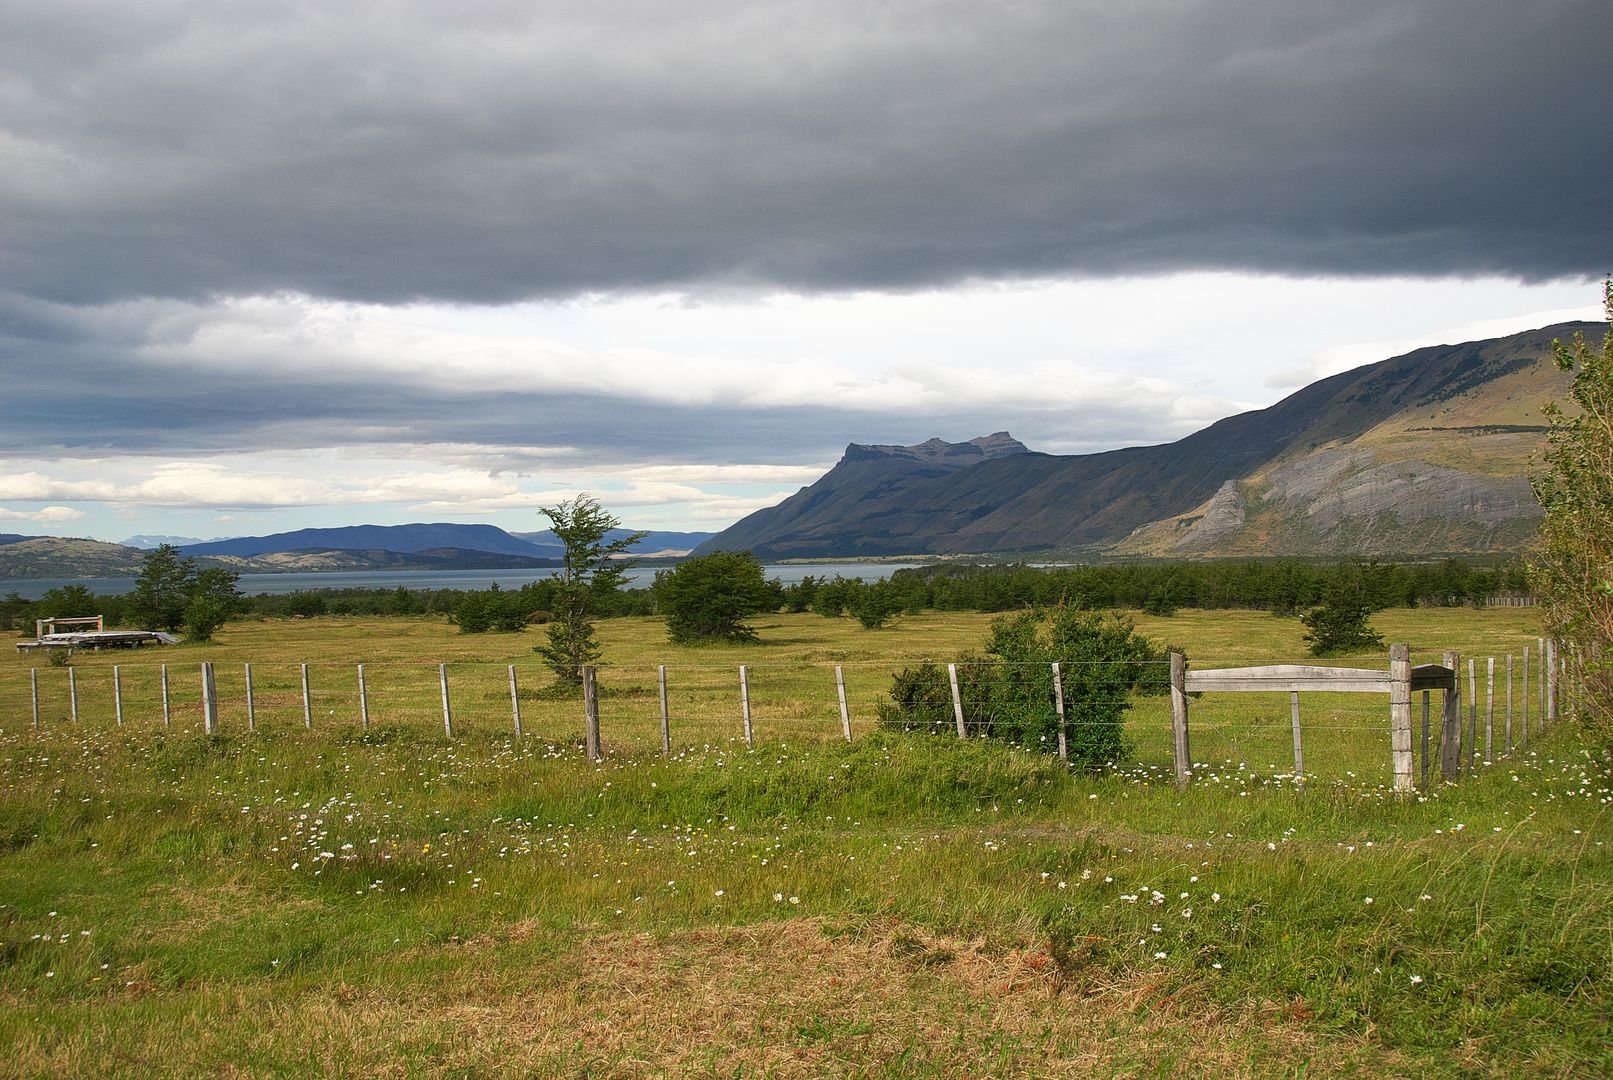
[(489, 151)]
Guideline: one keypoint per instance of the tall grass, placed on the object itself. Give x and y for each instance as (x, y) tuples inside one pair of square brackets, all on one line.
[(393, 902)]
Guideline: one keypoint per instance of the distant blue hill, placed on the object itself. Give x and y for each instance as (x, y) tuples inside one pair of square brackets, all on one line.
[(407, 539), (17, 538)]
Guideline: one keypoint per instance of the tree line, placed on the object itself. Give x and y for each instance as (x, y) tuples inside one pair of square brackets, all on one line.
[(1282, 587)]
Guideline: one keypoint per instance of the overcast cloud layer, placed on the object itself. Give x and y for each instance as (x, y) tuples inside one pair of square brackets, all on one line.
[(495, 151), (277, 264)]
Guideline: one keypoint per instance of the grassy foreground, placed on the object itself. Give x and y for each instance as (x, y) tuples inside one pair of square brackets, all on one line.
[(396, 903)]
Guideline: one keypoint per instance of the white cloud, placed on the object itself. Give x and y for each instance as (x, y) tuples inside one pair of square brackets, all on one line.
[(45, 515)]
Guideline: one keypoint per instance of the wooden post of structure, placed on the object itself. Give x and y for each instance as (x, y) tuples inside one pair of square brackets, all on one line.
[(1489, 712), (666, 715), (1509, 704), (209, 700), (515, 703), (744, 701), (1180, 753), (72, 691), (1450, 721), (165, 716), (1550, 711), (1299, 751), (590, 713), (117, 693), (1472, 712), (1058, 703), (845, 713), (363, 701), (957, 700), (1400, 714), (307, 702), (447, 715), (251, 706), (33, 681), (1426, 697), (1523, 744)]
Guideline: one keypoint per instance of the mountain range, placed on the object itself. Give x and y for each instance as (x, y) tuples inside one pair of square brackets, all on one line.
[(434, 546), (1421, 454)]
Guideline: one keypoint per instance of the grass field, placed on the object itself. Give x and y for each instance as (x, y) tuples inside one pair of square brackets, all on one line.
[(393, 902)]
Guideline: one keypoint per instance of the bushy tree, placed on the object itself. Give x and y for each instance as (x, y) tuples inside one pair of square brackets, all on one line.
[(1572, 569), (160, 591), (1340, 625), (708, 599), (1009, 695), (499, 610), (590, 568), (168, 585), (204, 614)]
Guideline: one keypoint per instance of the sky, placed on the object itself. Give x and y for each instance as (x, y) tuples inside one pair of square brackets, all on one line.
[(269, 265)]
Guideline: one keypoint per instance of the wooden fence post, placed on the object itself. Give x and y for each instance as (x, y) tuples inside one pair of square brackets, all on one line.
[(1489, 712), (251, 706), (1523, 744), (209, 700), (744, 701), (957, 700), (1299, 750), (1472, 712), (1549, 712), (447, 716), (515, 702), (590, 713), (666, 715), (845, 713), (307, 702), (1509, 704), (363, 701), (33, 681), (165, 717), (1400, 714), (1450, 720), (117, 693), (1426, 697), (1179, 743), (1058, 703), (72, 691)]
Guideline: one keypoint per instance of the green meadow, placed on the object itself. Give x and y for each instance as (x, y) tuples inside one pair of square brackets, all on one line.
[(392, 901)]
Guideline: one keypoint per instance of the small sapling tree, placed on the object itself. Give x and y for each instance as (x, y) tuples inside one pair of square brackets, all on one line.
[(1572, 569), (590, 567)]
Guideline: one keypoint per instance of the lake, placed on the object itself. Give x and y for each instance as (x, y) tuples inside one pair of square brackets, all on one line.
[(252, 584)]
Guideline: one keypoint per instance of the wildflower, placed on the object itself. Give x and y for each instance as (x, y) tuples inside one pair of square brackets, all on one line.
[(795, 899), (1215, 897), (1415, 979), (777, 897), (1369, 899), (717, 893), (1159, 956), (1187, 913)]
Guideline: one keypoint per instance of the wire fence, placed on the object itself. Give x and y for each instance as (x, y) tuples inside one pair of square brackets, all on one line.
[(655, 709)]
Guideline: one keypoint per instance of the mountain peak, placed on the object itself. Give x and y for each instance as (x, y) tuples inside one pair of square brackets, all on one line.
[(939, 451)]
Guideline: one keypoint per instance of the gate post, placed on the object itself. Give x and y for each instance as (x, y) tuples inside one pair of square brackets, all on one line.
[(1400, 714)]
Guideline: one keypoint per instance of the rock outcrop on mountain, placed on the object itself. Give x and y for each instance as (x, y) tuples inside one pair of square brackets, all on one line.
[(1425, 453)]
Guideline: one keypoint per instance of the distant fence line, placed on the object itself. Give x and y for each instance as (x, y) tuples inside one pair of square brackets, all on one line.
[(1560, 688)]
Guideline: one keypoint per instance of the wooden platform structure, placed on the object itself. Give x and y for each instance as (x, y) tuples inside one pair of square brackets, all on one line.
[(1399, 682), (50, 636)]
